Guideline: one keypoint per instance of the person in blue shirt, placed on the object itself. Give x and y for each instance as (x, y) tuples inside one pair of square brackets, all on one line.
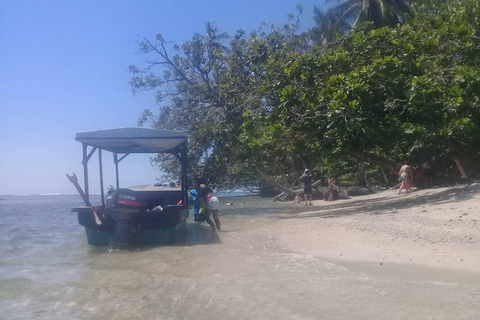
[(196, 204), (196, 200), (306, 178)]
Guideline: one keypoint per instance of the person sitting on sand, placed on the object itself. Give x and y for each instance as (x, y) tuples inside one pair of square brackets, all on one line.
[(406, 177), (307, 178), (298, 198)]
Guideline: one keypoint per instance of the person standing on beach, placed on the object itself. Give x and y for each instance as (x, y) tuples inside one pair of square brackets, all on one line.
[(332, 188), (406, 177), (306, 178)]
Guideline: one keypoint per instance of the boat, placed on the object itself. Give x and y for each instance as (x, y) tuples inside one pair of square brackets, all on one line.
[(133, 216)]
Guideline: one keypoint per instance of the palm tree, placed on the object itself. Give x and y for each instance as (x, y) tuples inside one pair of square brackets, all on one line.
[(213, 40), (347, 14)]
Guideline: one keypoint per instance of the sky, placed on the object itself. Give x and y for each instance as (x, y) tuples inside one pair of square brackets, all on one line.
[(63, 70)]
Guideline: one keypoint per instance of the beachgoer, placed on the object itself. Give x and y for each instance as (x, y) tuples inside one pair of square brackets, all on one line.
[(213, 207), (298, 199), (196, 201), (427, 174), (306, 178), (406, 177), (332, 187)]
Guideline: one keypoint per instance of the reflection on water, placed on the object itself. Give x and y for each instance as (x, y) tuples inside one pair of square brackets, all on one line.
[(47, 271)]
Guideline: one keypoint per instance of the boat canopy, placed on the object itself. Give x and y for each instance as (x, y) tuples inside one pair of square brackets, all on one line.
[(133, 140)]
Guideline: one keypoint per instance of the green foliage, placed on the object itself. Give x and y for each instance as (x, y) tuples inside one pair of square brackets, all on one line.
[(384, 96), (388, 90), (208, 90)]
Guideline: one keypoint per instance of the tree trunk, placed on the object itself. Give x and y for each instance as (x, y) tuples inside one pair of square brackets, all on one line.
[(361, 174), (455, 152), (461, 169), (387, 182), (387, 164)]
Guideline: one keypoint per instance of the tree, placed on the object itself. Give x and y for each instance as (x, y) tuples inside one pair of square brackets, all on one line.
[(384, 93), (376, 98), (348, 14), (205, 90)]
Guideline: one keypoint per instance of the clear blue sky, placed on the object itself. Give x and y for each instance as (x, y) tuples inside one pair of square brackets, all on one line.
[(63, 67)]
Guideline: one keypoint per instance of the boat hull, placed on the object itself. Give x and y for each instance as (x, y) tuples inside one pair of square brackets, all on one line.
[(155, 227)]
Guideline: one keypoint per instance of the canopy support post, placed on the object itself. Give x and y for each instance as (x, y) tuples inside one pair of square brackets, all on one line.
[(184, 173), (85, 172), (100, 164), (115, 160)]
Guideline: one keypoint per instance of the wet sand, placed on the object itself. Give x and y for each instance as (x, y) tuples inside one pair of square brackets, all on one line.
[(434, 228)]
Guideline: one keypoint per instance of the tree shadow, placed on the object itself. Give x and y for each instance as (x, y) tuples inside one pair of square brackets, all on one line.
[(380, 205)]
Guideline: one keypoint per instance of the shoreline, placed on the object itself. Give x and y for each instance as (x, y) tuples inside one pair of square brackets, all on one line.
[(433, 228)]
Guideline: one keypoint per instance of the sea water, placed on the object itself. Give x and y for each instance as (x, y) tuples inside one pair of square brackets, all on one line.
[(48, 271)]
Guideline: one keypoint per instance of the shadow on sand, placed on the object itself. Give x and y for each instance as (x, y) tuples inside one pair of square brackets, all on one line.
[(388, 203)]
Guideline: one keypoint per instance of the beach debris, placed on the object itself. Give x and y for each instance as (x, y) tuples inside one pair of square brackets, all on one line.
[(73, 179)]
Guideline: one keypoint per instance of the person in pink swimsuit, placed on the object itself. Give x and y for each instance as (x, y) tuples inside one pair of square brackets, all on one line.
[(406, 177)]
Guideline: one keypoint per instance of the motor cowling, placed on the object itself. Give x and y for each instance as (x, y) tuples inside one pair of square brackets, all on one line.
[(124, 206)]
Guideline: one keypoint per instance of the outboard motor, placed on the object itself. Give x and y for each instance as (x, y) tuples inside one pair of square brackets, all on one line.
[(124, 206)]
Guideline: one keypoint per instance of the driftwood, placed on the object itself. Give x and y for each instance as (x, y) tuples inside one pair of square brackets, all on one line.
[(396, 186), (281, 197), (73, 179), (320, 192)]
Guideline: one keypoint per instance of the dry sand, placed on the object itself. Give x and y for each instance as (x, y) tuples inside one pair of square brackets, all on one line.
[(433, 228)]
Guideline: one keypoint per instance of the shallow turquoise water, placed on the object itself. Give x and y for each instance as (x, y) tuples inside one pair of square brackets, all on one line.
[(47, 271)]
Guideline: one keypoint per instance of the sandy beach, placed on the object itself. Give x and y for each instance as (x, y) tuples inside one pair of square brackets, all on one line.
[(433, 227)]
